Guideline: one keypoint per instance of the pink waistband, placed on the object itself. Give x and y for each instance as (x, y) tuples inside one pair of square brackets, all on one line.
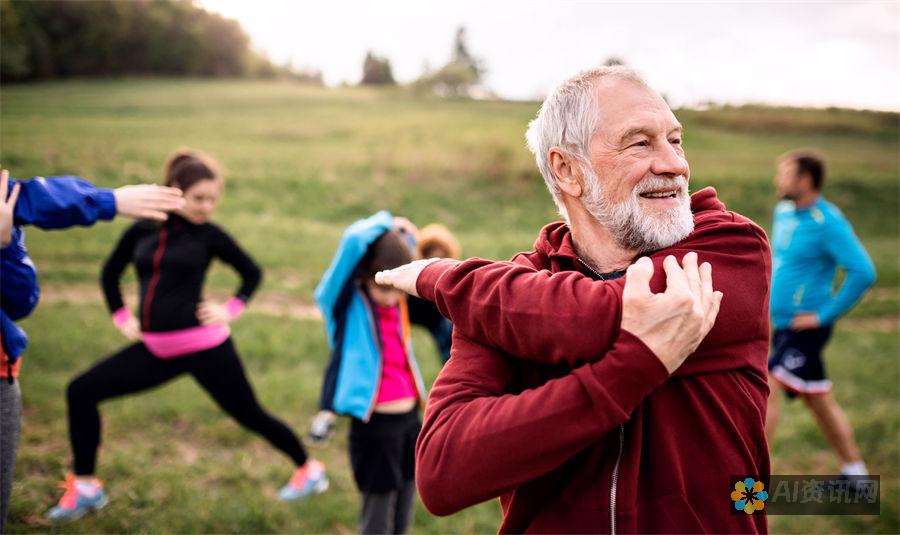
[(171, 344)]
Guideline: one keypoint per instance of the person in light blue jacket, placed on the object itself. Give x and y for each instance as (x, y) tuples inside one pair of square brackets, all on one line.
[(372, 375), (47, 203), (811, 239)]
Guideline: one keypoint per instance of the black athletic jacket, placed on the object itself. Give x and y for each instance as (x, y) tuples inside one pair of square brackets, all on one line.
[(171, 260)]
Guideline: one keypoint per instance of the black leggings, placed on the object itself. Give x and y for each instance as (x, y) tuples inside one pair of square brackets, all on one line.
[(218, 370)]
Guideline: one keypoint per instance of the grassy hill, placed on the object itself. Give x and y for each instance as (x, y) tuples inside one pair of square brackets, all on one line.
[(302, 163)]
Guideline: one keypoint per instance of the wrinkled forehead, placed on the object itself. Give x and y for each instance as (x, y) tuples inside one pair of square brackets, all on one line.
[(625, 107)]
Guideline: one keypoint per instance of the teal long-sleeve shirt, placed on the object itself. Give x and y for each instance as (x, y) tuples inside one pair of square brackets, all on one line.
[(808, 245)]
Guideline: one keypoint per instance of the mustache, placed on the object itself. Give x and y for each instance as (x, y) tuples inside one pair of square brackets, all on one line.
[(678, 183)]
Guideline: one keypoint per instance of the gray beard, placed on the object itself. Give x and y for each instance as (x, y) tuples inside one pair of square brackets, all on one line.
[(632, 227)]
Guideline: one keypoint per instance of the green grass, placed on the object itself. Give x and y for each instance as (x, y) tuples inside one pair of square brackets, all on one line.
[(302, 164)]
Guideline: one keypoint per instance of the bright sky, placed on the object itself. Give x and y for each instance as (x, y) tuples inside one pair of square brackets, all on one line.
[(798, 53)]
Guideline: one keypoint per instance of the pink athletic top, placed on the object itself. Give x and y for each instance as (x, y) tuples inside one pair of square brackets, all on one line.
[(396, 378), (181, 342)]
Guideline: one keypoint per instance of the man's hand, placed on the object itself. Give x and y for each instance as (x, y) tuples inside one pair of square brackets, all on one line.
[(673, 323), (803, 321), (404, 277), (7, 207), (147, 201), (210, 313)]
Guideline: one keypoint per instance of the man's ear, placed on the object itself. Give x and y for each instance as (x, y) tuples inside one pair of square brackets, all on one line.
[(566, 171)]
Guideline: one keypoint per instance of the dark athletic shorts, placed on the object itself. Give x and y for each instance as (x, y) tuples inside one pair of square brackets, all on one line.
[(796, 361), (383, 451)]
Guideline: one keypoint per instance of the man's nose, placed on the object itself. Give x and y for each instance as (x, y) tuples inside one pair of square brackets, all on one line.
[(669, 161)]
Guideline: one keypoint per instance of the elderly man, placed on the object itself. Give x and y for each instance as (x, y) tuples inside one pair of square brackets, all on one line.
[(568, 394)]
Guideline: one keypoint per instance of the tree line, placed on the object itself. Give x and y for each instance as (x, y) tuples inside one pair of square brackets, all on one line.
[(53, 39), (58, 38)]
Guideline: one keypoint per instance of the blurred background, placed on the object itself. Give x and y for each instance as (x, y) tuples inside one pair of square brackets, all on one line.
[(322, 114)]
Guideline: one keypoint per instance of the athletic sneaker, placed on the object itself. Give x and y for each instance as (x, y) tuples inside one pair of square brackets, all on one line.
[(321, 428), (75, 503), (308, 479)]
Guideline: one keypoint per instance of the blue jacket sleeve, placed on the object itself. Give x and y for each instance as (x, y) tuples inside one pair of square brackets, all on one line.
[(19, 290), (354, 243), (60, 202), (14, 338), (848, 252), (19, 293)]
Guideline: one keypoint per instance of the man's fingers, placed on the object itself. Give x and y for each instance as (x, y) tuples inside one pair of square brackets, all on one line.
[(676, 281), (713, 312), (385, 278), (14, 196), (706, 287), (4, 183), (692, 272), (637, 278), (155, 215), (166, 195)]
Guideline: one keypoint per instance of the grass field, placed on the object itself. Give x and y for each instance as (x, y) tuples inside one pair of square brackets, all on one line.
[(302, 164)]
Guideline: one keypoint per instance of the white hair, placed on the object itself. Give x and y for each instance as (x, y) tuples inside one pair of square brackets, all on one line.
[(568, 119)]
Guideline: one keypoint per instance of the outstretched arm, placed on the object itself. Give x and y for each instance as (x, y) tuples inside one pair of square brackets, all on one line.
[(60, 202), (568, 317)]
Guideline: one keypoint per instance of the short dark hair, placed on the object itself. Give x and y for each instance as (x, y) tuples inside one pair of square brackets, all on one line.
[(809, 162), (186, 167), (387, 252)]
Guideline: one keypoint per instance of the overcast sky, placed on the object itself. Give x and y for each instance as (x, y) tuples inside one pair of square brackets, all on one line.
[(798, 53)]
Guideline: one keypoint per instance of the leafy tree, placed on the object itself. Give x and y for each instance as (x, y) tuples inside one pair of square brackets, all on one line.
[(376, 70), (58, 38), (459, 76)]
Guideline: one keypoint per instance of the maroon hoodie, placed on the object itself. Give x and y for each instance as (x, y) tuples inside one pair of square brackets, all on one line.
[(548, 404)]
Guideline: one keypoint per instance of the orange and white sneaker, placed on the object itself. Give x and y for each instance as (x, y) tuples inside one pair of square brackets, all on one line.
[(78, 500), (308, 479)]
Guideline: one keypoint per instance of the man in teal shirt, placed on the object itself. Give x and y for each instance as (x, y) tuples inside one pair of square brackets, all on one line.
[(811, 238)]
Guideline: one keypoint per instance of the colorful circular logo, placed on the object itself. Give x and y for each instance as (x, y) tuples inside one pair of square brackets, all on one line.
[(749, 496)]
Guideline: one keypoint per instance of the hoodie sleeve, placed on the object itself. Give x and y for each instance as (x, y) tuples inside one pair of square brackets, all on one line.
[(473, 445), (534, 314), (19, 290), (568, 317), (60, 202)]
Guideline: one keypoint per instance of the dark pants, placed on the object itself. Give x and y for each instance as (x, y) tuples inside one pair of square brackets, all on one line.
[(382, 454), (10, 422), (133, 369), (387, 512)]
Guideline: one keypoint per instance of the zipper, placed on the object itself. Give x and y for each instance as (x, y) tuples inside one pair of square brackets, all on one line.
[(592, 270), (615, 482), (154, 280)]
